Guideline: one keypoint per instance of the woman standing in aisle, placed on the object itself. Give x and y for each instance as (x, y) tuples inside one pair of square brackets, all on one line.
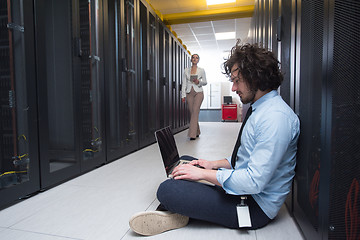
[(193, 79)]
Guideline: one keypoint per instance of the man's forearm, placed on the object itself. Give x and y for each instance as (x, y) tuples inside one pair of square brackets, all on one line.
[(210, 176), (223, 163)]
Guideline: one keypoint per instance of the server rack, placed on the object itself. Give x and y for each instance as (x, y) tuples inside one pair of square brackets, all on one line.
[(19, 168), (177, 81), (339, 207), (161, 78), (86, 116), (318, 50), (185, 111), (70, 77), (306, 196), (121, 88), (181, 104), (148, 84), (184, 105), (92, 86), (169, 74), (57, 137), (173, 83), (114, 76), (130, 90), (275, 34), (287, 38), (164, 65)]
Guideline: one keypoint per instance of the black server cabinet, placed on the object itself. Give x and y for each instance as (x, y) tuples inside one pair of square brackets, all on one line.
[(121, 89), (92, 118), (343, 104), (306, 184), (163, 98), (130, 118), (173, 83), (178, 85), (275, 33), (181, 104), (70, 77), (273, 26), (148, 84), (114, 78), (169, 74), (186, 113), (188, 64), (184, 105), (177, 81), (19, 165), (255, 25), (327, 178), (263, 22), (333, 204), (287, 24), (161, 76)]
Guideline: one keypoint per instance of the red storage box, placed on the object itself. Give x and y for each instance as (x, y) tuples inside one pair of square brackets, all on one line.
[(229, 112)]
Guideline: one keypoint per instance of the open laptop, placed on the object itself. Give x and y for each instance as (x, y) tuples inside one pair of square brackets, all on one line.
[(169, 152)]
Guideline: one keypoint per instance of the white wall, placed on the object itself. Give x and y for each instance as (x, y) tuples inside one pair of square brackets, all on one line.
[(212, 62)]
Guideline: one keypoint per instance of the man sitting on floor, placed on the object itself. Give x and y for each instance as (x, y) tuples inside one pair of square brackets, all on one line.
[(258, 175)]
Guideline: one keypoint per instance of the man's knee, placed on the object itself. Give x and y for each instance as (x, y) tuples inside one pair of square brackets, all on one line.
[(171, 191), (165, 193)]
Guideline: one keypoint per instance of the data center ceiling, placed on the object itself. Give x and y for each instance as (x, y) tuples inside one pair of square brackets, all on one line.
[(196, 23)]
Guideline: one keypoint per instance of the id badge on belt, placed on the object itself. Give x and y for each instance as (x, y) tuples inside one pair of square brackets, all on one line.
[(243, 213)]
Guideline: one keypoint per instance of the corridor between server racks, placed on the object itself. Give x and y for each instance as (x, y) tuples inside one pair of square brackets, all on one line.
[(98, 205)]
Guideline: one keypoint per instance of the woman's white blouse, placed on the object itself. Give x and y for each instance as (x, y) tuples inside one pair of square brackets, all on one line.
[(187, 83)]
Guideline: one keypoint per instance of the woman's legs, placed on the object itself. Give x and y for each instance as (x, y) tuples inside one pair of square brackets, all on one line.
[(208, 203), (194, 100)]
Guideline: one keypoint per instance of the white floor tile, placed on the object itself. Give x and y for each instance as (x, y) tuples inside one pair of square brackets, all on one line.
[(33, 205), (282, 227), (198, 230), (98, 205), (21, 235)]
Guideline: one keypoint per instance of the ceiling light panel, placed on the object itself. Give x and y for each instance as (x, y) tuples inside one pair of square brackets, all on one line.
[(225, 35)]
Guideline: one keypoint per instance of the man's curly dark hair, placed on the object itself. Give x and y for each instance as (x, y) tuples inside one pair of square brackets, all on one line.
[(257, 66)]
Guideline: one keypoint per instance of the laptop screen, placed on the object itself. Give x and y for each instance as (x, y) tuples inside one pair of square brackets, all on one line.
[(167, 146)]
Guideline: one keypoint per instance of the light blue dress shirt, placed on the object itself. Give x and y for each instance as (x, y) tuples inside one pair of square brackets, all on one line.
[(266, 158)]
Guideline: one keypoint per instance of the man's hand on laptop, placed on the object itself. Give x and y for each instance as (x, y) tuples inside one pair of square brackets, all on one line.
[(188, 172), (202, 163), (223, 163), (193, 173)]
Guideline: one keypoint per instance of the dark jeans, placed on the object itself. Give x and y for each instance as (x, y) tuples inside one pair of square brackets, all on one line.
[(208, 203)]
